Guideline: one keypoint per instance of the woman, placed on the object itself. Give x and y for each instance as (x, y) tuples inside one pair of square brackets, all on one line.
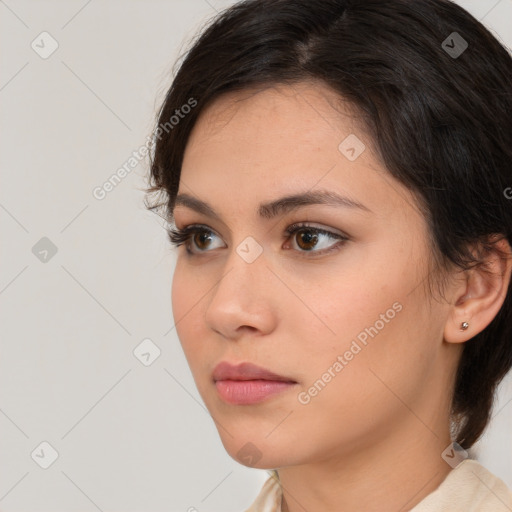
[(338, 174)]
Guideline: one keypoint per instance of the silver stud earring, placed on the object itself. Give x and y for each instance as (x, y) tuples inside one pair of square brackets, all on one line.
[(464, 326)]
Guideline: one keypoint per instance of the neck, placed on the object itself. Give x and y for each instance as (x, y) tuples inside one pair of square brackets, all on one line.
[(394, 473)]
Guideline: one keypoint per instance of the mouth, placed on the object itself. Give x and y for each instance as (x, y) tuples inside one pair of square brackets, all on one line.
[(246, 384)]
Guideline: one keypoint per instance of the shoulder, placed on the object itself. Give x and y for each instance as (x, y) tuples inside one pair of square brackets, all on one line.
[(470, 487)]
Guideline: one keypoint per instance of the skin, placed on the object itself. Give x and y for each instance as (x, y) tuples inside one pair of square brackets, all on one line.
[(372, 438)]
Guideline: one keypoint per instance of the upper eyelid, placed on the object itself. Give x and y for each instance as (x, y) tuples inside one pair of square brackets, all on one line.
[(300, 224), (306, 208)]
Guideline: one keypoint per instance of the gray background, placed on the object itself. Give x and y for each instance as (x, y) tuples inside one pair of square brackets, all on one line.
[(129, 437)]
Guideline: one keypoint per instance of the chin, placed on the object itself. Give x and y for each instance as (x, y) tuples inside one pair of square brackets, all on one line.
[(255, 454)]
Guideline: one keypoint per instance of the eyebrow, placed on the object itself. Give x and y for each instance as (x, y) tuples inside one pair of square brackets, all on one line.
[(280, 206)]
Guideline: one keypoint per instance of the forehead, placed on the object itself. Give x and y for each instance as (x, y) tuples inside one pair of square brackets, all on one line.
[(251, 146), (281, 114)]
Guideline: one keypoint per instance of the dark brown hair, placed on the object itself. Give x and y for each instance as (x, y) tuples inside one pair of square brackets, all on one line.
[(439, 114)]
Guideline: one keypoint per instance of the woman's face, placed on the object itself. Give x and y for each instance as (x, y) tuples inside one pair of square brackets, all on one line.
[(351, 327)]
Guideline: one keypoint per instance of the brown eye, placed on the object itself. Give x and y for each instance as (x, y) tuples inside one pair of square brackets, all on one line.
[(200, 238), (306, 239), (196, 238), (309, 239)]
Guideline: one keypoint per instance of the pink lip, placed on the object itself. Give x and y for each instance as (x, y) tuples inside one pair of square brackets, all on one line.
[(246, 383)]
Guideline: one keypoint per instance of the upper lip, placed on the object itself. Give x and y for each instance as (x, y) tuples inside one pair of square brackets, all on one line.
[(245, 371)]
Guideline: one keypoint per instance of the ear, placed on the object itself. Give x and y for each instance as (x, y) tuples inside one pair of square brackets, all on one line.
[(480, 294)]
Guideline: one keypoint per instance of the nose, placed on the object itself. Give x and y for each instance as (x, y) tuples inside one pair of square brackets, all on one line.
[(245, 296)]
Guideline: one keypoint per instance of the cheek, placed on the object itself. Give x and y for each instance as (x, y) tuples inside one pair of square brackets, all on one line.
[(344, 302), (180, 297), (186, 295), (370, 299), (362, 395), (386, 360), (371, 322)]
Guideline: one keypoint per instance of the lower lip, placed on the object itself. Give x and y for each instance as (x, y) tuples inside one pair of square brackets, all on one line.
[(243, 392)]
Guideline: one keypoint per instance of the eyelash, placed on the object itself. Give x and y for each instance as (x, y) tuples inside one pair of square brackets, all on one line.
[(178, 237)]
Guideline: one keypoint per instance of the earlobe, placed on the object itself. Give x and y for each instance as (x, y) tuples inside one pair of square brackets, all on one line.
[(480, 297)]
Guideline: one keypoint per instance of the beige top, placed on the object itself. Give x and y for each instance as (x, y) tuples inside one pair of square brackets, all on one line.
[(470, 487)]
